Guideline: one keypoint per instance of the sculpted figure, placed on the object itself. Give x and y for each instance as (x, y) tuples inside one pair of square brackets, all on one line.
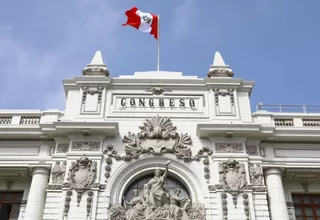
[(56, 172), (177, 209), (137, 207), (156, 196)]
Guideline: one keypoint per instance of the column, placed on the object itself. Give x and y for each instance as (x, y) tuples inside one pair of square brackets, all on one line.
[(277, 201), (37, 194)]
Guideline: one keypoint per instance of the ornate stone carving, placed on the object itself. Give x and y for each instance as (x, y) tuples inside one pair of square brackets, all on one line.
[(157, 136), (259, 188), (157, 204), (67, 202), (229, 148), (89, 202), (229, 92), (58, 172), (82, 175), (87, 91), (54, 186), (256, 174), (62, 148), (205, 152), (158, 90), (224, 200), (233, 178), (252, 150), (117, 212), (220, 72), (86, 146), (246, 205)]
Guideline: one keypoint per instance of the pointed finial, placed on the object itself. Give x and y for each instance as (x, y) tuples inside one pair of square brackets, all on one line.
[(96, 67), (219, 68)]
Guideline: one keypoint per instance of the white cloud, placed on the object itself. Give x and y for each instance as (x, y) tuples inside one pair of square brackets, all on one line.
[(185, 16)]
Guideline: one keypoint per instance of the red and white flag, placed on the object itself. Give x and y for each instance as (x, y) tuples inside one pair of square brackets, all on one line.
[(145, 22)]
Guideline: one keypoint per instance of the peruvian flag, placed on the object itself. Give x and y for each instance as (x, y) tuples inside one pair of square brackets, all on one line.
[(145, 22)]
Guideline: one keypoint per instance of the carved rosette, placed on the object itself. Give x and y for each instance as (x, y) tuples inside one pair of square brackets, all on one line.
[(233, 178)]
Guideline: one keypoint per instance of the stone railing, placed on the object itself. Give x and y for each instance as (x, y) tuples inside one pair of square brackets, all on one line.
[(28, 117), (5, 120), (297, 122), (283, 122), (30, 120)]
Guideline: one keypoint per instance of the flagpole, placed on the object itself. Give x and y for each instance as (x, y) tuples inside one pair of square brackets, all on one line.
[(158, 58)]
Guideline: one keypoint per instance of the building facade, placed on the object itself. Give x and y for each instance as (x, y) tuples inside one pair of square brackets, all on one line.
[(159, 146)]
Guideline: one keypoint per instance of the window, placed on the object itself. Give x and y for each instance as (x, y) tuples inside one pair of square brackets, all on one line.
[(306, 206), (170, 185), (10, 203)]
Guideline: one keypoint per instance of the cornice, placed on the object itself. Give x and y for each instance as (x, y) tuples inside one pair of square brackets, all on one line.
[(110, 129)]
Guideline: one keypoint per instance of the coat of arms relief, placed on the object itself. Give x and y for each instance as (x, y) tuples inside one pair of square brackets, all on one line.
[(158, 136), (233, 180), (154, 202)]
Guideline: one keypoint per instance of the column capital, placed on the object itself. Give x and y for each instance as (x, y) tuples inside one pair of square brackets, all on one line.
[(40, 170), (273, 170)]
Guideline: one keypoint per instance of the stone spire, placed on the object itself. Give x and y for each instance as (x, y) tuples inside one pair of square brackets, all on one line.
[(219, 68), (96, 67)]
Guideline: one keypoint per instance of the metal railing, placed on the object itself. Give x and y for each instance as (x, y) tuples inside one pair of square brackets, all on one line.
[(290, 108)]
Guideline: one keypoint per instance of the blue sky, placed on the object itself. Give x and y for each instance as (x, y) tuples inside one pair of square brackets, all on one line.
[(272, 42)]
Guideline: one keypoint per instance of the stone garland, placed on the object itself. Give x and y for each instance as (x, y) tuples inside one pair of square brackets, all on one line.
[(89, 202), (110, 153), (224, 197), (246, 205), (67, 202)]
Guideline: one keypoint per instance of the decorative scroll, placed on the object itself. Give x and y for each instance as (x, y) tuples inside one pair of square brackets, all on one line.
[(158, 90), (86, 146)]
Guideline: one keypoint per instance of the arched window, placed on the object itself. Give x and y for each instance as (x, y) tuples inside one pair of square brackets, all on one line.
[(170, 185)]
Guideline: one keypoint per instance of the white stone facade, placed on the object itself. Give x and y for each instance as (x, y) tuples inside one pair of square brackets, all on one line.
[(80, 163)]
